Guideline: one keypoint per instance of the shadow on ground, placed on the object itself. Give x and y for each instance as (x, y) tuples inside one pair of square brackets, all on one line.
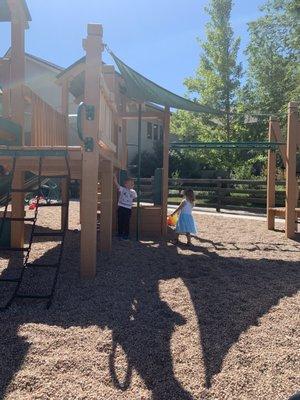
[(229, 295)]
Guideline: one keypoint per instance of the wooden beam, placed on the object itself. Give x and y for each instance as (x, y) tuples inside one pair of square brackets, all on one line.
[(17, 70), (146, 115), (277, 136), (17, 207), (64, 198), (5, 78), (65, 106), (106, 206), (291, 179), (271, 177), (90, 164), (165, 176)]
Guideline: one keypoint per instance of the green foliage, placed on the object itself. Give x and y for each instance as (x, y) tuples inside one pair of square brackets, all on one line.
[(218, 76), (273, 79), (149, 161), (273, 56)]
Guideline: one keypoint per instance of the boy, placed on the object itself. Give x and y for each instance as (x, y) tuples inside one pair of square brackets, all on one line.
[(126, 196)]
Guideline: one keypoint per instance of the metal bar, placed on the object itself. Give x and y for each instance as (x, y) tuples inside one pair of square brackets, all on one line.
[(139, 172)]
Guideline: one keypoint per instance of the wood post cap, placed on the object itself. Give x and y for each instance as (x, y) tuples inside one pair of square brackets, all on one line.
[(95, 29)]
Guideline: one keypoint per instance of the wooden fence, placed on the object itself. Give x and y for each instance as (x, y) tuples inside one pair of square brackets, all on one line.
[(219, 193)]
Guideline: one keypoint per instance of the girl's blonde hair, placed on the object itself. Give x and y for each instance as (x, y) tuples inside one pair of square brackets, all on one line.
[(190, 195)]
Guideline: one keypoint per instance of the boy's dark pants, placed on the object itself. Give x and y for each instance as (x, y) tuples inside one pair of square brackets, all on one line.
[(124, 215)]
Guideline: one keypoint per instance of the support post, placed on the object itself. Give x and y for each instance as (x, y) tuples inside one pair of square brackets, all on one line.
[(219, 194), (139, 172), (291, 179), (65, 104), (106, 173), (271, 178), (17, 68), (165, 177), (90, 160), (64, 198), (17, 207), (6, 89)]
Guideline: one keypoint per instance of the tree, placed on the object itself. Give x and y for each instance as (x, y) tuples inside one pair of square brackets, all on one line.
[(218, 76), (216, 84), (273, 56)]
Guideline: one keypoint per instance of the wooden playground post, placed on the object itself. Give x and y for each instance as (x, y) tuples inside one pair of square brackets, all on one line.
[(165, 177), (65, 102), (17, 204), (17, 63), (17, 103), (106, 173), (271, 178), (6, 89), (64, 182), (64, 199), (291, 179), (90, 161)]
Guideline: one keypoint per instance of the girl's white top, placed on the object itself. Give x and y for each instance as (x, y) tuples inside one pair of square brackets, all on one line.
[(187, 207)]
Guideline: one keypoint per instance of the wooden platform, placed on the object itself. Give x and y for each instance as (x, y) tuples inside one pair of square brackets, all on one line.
[(53, 159)]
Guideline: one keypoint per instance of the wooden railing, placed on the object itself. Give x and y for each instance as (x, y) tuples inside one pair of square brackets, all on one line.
[(48, 126)]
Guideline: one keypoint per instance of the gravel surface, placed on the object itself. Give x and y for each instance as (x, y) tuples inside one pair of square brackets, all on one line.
[(220, 320)]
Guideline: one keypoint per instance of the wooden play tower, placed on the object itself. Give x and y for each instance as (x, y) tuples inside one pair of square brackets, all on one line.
[(45, 148), (102, 150)]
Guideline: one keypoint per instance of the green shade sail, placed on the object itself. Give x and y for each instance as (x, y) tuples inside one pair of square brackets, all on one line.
[(142, 89)]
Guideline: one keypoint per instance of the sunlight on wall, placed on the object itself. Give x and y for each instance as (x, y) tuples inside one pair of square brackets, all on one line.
[(188, 365)]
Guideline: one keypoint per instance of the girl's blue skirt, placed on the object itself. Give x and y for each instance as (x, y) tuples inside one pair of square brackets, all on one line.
[(186, 224)]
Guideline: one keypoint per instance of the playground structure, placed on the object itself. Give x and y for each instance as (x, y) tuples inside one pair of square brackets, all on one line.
[(102, 113)]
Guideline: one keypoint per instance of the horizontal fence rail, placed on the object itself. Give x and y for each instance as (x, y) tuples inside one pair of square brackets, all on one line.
[(227, 193), (218, 193)]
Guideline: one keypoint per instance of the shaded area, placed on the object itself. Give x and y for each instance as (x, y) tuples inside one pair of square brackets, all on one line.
[(229, 295)]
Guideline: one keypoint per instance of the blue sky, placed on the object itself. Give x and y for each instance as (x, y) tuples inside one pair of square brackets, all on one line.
[(156, 37)]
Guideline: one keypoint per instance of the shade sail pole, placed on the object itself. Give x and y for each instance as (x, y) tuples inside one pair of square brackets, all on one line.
[(165, 176), (139, 172)]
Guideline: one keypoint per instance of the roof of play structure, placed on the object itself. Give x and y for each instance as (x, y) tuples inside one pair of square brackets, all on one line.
[(5, 15), (139, 88)]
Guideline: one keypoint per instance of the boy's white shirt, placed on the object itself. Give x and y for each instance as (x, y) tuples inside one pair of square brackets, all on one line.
[(126, 197)]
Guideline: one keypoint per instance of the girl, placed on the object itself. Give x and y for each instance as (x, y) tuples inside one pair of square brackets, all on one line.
[(186, 224)]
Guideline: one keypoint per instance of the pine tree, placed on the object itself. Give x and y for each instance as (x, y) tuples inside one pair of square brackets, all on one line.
[(218, 76)]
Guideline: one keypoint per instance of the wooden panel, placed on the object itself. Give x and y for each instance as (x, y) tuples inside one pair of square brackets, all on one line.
[(150, 221), (48, 126), (106, 205)]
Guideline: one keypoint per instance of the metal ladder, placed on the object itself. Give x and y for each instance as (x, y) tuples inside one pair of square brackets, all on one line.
[(34, 234)]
